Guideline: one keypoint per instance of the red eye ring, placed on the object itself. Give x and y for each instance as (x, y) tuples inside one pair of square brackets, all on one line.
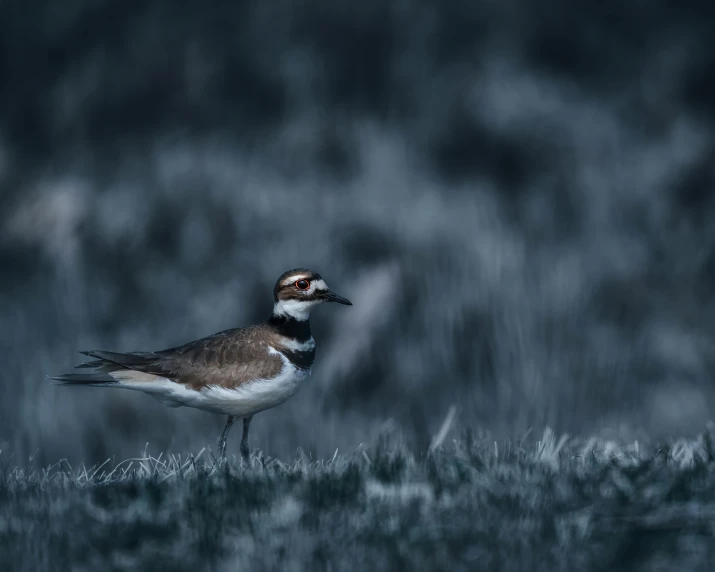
[(302, 284)]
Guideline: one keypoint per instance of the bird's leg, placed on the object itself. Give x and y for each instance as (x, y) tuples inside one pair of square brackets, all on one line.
[(221, 444), (244, 442)]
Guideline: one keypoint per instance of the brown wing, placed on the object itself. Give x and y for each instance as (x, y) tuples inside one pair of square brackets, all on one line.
[(228, 359)]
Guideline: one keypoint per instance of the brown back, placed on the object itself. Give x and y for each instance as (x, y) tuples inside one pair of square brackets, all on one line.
[(228, 359)]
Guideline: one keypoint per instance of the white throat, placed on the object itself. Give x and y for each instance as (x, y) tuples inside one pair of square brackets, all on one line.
[(297, 309)]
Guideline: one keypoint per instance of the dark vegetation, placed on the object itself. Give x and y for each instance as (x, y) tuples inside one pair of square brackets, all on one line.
[(476, 504)]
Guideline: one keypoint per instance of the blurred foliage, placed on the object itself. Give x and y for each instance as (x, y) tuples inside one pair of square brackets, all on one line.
[(515, 196)]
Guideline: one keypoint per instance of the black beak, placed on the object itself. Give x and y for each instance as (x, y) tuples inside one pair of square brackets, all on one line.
[(331, 296)]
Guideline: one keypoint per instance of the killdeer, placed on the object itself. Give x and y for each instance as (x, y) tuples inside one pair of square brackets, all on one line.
[(237, 372)]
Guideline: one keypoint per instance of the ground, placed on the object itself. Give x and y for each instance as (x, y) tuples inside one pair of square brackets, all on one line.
[(473, 504)]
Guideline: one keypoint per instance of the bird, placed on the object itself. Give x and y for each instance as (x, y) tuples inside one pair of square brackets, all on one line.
[(237, 372)]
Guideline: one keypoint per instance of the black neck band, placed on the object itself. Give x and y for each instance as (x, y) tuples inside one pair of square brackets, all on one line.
[(290, 327)]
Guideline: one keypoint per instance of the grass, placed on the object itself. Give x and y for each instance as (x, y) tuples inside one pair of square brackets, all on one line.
[(556, 504)]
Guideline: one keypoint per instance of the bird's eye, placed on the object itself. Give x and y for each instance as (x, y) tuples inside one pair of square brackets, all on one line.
[(302, 284)]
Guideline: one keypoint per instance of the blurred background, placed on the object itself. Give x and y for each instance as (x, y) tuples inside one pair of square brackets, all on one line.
[(517, 197)]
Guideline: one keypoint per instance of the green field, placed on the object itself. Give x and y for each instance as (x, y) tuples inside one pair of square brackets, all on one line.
[(547, 504)]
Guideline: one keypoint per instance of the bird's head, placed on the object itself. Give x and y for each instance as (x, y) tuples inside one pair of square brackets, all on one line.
[(298, 291)]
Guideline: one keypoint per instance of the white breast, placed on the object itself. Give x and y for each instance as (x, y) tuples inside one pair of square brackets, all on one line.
[(244, 400)]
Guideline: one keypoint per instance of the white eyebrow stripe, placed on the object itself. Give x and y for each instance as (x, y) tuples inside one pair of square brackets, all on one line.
[(293, 279), (315, 284)]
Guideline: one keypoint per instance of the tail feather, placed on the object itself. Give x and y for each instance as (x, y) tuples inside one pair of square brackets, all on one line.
[(103, 365), (127, 360), (97, 379), (89, 364)]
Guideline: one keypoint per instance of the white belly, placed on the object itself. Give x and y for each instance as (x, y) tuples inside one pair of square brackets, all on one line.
[(242, 401)]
